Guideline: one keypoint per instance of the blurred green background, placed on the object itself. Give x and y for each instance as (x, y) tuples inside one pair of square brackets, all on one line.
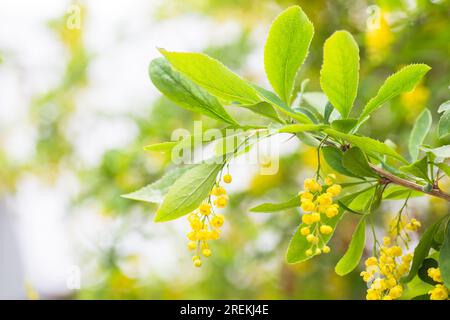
[(76, 108)]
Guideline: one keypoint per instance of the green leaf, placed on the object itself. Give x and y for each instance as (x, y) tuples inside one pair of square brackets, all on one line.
[(156, 191), (422, 249), (444, 167), (273, 99), (265, 109), (418, 169), (286, 49), (444, 257), (444, 125), (346, 208), (394, 192), (444, 107), (213, 76), (161, 147), (333, 156), (419, 132), (340, 71), (355, 250), (366, 144), (295, 128), (355, 161), (442, 152), (273, 207), (188, 192), (403, 80), (184, 92), (344, 125), (308, 139), (416, 288)]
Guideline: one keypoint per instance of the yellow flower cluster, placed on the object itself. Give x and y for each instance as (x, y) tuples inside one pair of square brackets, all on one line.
[(205, 223), (383, 273), (400, 227), (440, 292), (314, 203)]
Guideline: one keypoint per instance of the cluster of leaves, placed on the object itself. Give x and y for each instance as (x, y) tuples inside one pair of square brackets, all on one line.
[(202, 84)]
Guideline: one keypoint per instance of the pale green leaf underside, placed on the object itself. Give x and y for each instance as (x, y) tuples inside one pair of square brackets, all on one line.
[(355, 250), (402, 81), (442, 152), (187, 193), (184, 92), (156, 191), (339, 75), (213, 76), (161, 147), (418, 133), (296, 128), (444, 125), (286, 49), (273, 207), (264, 109), (275, 101), (368, 145)]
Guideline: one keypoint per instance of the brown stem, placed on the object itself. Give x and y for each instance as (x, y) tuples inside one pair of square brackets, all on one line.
[(436, 192), (391, 178)]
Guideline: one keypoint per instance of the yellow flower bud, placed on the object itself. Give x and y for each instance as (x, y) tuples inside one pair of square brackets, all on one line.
[(197, 263), (315, 217), (396, 292), (307, 219), (218, 191), (373, 295), (372, 261), (334, 190), (324, 229), (217, 221), (312, 239), (435, 274), (305, 231), (192, 245), (207, 252), (227, 178), (325, 199), (196, 224), (205, 209), (221, 201), (203, 234), (305, 196), (214, 234), (318, 251), (192, 235), (395, 251), (366, 276), (326, 249), (438, 293), (307, 206), (332, 211), (309, 252)]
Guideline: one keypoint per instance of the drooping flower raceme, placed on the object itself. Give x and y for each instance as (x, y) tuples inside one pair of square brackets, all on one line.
[(317, 200), (383, 272), (206, 223)]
